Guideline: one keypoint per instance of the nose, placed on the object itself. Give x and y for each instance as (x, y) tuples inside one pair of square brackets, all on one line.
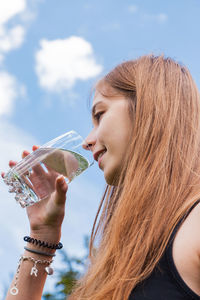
[(89, 141)]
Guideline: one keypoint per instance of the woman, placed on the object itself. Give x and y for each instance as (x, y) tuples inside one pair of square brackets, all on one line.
[(146, 139)]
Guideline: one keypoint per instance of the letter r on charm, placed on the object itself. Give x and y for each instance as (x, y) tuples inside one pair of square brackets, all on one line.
[(34, 271)]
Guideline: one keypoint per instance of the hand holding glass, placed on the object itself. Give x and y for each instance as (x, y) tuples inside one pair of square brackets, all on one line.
[(33, 178)]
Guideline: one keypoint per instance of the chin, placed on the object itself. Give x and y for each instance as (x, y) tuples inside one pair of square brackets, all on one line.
[(112, 179)]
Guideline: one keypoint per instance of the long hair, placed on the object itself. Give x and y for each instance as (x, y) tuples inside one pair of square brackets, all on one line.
[(159, 182)]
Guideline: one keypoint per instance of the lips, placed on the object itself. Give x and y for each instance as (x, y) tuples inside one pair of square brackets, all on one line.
[(100, 159), (97, 155)]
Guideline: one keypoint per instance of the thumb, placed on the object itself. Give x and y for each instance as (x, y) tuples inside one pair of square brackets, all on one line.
[(61, 189)]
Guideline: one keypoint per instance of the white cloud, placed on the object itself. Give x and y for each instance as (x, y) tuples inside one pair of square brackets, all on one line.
[(10, 90), (12, 39), (13, 141), (60, 63), (10, 8), (14, 18)]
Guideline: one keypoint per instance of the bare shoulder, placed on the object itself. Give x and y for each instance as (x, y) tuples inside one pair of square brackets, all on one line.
[(191, 227), (189, 231), (186, 249), (197, 228)]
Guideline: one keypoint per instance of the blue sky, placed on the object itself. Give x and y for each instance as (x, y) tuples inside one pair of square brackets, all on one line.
[(51, 54)]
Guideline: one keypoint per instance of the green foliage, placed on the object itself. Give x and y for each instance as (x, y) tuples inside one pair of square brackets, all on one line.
[(73, 267)]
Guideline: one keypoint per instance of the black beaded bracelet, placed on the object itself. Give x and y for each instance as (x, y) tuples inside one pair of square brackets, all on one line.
[(29, 239)]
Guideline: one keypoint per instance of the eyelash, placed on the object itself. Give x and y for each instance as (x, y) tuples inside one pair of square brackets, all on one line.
[(98, 115)]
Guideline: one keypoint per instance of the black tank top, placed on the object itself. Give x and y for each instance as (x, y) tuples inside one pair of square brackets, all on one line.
[(165, 283)]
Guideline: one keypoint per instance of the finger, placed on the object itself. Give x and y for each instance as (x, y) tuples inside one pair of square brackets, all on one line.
[(25, 153), (2, 174), (35, 147), (38, 170), (61, 189), (12, 163)]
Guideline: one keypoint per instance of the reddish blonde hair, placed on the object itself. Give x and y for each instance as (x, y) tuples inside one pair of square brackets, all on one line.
[(159, 182)]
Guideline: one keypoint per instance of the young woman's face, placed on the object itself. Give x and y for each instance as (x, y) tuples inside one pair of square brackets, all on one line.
[(109, 139)]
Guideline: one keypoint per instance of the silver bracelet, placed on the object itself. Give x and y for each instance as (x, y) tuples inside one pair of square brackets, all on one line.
[(39, 252), (14, 290)]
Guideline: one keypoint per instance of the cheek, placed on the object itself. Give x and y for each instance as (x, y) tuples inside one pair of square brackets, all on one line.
[(105, 128), (101, 135), (120, 134), (122, 140)]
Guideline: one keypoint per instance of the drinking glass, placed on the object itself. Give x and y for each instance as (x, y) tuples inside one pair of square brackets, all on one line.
[(33, 178)]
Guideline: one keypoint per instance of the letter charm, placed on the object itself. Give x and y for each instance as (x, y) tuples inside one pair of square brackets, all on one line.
[(34, 270)]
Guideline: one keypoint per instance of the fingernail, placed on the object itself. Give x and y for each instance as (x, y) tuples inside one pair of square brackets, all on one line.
[(35, 147), (61, 178)]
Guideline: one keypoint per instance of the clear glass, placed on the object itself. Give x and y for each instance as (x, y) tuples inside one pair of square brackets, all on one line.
[(33, 178)]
